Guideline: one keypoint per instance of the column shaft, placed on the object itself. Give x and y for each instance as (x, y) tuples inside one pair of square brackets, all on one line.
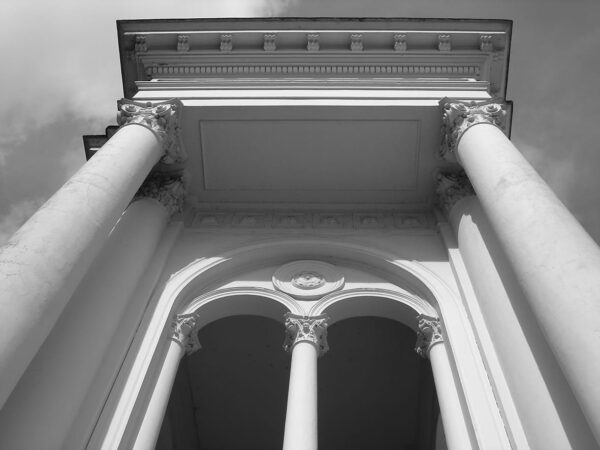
[(301, 415), (453, 418), (82, 333), (157, 406), (46, 259), (183, 340), (555, 260)]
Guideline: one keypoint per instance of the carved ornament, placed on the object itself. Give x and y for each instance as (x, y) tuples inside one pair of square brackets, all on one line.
[(444, 42), (162, 119), (168, 189), (183, 43), (429, 334), (400, 42), (307, 280), (313, 44), (452, 187), (226, 44), (270, 42), (356, 42), (458, 117), (185, 333), (306, 329)]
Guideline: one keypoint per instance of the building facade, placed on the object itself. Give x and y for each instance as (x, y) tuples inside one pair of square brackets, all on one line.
[(286, 181)]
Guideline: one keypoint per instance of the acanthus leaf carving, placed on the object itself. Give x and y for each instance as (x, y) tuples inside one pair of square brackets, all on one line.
[(306, 329), (429, 334), (458, 117), (452, 187), (184, 332), (162, 119), (168, 189)]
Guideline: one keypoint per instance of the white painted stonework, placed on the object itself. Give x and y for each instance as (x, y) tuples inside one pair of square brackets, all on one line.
[(282, 182)]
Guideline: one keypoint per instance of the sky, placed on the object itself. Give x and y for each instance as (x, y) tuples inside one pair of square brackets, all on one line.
[(60, 79)]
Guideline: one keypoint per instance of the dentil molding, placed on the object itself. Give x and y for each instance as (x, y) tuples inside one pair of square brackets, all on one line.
[(163, 119), (306, 329)]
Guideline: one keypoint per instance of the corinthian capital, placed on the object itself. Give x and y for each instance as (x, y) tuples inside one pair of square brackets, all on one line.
[(162, 119), (429, 334), (452, 187), (458, 117), (306, 329), (185, 333), (168, 189)]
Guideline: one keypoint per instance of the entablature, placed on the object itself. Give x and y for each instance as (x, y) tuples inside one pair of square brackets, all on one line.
[(225, 51)]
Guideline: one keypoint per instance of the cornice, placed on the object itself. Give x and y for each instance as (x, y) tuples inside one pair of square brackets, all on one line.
[(305, 47)]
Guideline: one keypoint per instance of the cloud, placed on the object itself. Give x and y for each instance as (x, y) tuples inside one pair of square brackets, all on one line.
[(17, 215), (62, 79)]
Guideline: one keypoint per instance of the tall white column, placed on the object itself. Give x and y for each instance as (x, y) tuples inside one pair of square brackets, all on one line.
[(184, 339), (84, 330), (306, 338), (430, 344), (555, 261), (45, 260)]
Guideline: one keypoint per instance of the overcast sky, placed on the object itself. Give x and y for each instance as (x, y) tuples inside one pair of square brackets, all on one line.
[(60, 79)]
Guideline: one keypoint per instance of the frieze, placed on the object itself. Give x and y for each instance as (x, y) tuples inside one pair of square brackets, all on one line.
[(306, 329), (311, 220), (162, 119), (458, 117)]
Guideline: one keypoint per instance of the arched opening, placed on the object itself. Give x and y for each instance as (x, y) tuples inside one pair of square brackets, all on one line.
[(231, 394), (374, 390), (194, 290)]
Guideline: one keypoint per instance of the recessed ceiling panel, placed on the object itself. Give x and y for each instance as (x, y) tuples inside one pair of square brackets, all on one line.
[(309, 155)]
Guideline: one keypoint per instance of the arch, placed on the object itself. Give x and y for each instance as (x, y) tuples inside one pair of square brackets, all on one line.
[(252, 301), (196, 285), (359, 302)]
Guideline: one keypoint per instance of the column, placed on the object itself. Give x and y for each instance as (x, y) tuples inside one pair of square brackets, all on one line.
[(84, 331), (306, 338), (48, 256), (544, 402), (183, 339), (430, 344), (555, 261)]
